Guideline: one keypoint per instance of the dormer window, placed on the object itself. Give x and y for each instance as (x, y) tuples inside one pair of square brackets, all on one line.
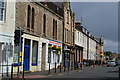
[(45, 3), (57, 8)]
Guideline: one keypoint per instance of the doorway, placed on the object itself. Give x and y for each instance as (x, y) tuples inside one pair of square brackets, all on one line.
[(43, 61), (26, 55)]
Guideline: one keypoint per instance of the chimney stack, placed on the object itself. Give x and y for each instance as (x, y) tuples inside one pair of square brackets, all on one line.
[(78, 23)]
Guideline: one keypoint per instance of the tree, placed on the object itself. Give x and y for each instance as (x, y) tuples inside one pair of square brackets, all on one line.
[(107, 53)]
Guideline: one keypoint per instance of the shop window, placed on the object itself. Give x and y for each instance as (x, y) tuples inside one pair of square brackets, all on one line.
[(34, 53), (49, 53), (53, 54), (58, 60), (49, 57)]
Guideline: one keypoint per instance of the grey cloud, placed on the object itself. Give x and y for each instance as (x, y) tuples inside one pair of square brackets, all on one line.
[(101, 18)]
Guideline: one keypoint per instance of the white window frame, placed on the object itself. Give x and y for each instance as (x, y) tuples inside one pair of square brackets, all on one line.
[(4, 10)]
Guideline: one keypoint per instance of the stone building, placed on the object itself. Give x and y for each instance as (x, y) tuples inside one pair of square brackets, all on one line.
[(42, 26), (68, 37)]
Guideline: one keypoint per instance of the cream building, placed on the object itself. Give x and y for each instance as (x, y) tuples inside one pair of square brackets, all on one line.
[(7, 27)]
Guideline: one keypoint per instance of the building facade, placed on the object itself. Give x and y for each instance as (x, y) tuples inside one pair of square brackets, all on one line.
[(42, 27), (39, 34), (68, 37), (87, 47), (7, 26)]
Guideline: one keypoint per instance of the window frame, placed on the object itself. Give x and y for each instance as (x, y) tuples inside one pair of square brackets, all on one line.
[(36, 63), (44, 24), (3, 14)]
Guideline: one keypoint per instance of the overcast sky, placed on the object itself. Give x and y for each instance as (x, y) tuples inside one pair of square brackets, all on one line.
[(101, 19)]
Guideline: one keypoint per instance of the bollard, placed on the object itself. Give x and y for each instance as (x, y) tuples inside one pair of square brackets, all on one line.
[(7, 71), (71, 66), (55, 67), (60, 67), (119, 72), (68, 67), (64, 68), (18, 71), (23, 72), (12, 71), (2, 70), (49, 68)]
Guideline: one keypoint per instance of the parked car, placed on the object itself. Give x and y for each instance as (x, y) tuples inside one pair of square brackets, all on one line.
[(111, 63), (118, 63)]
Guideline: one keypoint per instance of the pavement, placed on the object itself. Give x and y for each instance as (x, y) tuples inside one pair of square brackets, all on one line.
[(87, 73)]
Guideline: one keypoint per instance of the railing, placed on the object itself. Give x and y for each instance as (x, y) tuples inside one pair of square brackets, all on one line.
[(6, 71), (10, 73), (60, 67)]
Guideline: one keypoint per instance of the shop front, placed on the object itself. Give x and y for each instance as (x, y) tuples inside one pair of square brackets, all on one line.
[(66, 56), (54, 53)]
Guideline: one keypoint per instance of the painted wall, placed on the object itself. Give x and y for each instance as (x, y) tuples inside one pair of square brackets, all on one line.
[(92, 49), (7, 28)]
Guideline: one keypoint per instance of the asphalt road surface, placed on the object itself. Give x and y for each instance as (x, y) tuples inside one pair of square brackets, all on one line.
[(98, 73), (90, 73)]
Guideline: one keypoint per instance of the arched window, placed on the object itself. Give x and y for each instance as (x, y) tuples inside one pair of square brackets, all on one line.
[(44, 23), (28, 16), (56, 30), (53, 28), (32, 21)]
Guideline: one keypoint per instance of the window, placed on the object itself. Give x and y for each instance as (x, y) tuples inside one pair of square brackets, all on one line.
[(44, 24), (28, 17), (69, 37), (2, 10), (33, 12), (78, 37), (73, 37), (67, 17), (34, 53), (54, 29), (65, 35), (49, 54), (57, 9)]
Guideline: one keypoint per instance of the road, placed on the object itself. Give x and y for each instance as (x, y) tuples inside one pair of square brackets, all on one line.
[(88, 73), (100, 73)]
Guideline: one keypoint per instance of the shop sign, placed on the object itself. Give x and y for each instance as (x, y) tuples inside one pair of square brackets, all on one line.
[(66, 48), (55, 43)]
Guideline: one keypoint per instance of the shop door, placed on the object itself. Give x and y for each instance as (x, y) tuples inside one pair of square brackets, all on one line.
[(26, 57), (67, 59)]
